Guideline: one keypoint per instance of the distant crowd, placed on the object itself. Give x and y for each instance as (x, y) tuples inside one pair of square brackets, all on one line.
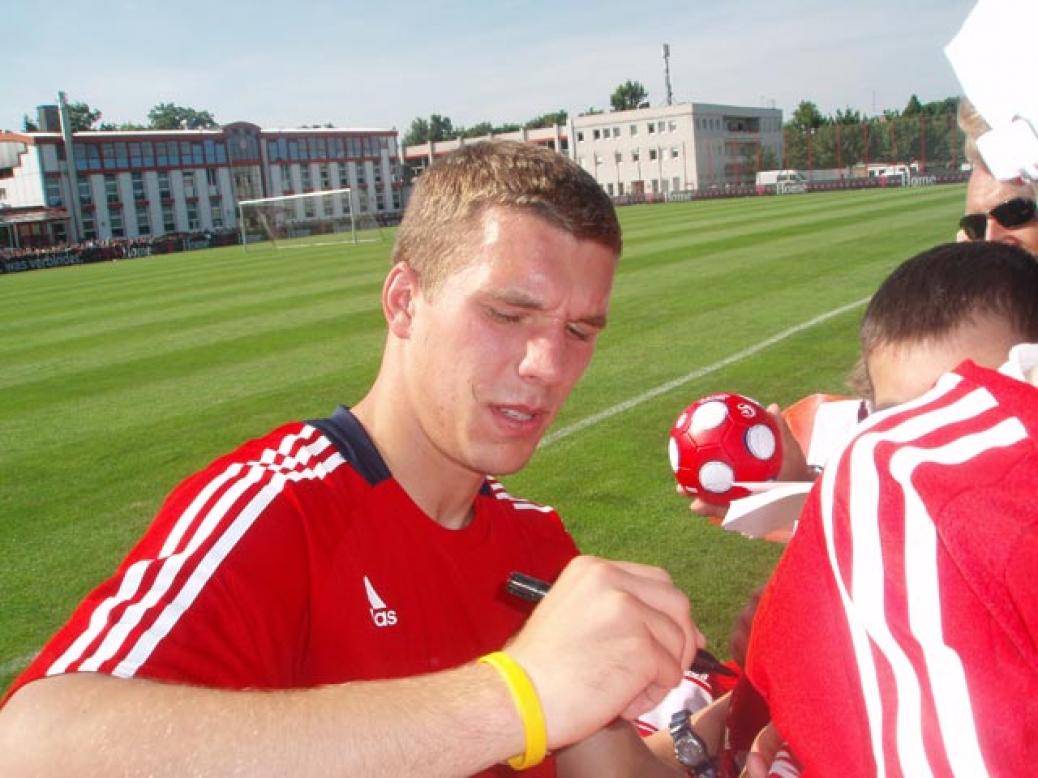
[(19, 260)]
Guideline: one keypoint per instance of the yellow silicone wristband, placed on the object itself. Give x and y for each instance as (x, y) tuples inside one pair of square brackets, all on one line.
[(528, 704)]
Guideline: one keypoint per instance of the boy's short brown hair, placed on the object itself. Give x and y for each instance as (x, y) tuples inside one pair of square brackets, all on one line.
[(934, 292), (450, 198)]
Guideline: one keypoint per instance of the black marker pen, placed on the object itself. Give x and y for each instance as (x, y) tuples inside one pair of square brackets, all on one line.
[(532, 589)]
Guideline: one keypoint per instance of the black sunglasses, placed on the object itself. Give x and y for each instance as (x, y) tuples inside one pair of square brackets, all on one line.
[(1010, 214)]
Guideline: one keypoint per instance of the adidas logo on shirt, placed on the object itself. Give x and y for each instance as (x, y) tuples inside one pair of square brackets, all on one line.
[(380, 614)]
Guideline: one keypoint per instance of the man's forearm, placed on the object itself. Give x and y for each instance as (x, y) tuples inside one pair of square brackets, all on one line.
[(451, 723)]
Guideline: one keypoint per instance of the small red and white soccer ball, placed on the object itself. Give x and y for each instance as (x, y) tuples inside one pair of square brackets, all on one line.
[(720, 440)]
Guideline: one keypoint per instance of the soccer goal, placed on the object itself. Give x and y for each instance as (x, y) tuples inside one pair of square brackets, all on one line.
[(311, 219)]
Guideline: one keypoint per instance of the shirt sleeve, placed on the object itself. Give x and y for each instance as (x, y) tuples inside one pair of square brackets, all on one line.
[(212, 594)]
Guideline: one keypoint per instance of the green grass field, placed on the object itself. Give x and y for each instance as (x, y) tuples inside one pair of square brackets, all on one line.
[(119, 379)]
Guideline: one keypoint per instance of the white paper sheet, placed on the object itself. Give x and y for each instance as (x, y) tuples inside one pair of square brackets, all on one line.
[(768, 510)]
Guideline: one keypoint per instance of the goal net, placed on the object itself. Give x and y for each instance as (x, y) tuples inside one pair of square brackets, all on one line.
[(314, 218)]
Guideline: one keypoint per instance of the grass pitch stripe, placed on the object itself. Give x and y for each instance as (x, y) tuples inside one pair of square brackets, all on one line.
[(626, 405)]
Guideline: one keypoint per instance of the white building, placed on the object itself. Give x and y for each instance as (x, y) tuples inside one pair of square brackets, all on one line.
[(420, 156), (648, 151), (684, 147), (153, 182)]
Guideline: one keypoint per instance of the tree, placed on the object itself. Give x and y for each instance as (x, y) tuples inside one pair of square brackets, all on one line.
[(807, 117), (440, 127), (628, 95), (81, 117), (168, 116), (28, 125), (435, 128), (122, 126), (417, 133), (548, 119), (847, 116), (913, 108), (477, 130)]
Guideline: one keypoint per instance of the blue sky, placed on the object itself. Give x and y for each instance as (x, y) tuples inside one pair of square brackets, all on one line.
[(283, 64)]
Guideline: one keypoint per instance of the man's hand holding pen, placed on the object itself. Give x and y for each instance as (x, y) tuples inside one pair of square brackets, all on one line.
[(609, 639)]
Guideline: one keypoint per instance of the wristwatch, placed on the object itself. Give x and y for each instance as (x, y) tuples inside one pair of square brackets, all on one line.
[(689, 748)]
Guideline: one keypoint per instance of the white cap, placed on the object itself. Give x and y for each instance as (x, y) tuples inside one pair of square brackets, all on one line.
[(995, 61)]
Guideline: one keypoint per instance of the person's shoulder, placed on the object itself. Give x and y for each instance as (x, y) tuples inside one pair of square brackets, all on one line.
[(292, 448), (292, 457)]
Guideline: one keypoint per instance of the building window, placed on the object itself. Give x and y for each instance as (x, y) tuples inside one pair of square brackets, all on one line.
[(672, 126), (304, 178), (326, 177), (89, 228), (164, 190), (664, 184), (286, 179), (344, 176), (617, 157), (210, 175), (189, 184), (619, 187), (169, 223), (111, 189), (609, 189), (596, 134), (216, 214), (660, 125), (53, 193), (308, 209), (634, 129), (143, 221), (655, 185), (675, 183), (115, 217), (651, 127), (616, 132), (580, 136), (396, 200), (192, 216), (674, 153), (138, 186), (635, 156), (362, 201), (653, 154), (360, 175)]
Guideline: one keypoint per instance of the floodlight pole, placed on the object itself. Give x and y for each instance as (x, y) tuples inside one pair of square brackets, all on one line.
[(73, 174), (666, 71)]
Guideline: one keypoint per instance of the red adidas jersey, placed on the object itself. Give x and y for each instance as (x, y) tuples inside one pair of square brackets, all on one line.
[(899, 633), (298, 560)]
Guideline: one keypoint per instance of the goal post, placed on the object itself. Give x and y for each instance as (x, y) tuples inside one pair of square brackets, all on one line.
[(299, 220)]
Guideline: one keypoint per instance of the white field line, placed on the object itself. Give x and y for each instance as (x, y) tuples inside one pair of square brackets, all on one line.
[(18, 663), (579, 426)]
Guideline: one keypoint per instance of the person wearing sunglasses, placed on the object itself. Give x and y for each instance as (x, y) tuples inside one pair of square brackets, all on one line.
[(1002, 211)]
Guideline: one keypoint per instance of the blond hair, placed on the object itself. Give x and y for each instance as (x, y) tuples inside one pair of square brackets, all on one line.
[(451, 197), (973, 125)]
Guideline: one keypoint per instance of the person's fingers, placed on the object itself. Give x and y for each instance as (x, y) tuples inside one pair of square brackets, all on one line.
[(794, 463), (712, 511), (668, 615), (609, 639), (766, 746)]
